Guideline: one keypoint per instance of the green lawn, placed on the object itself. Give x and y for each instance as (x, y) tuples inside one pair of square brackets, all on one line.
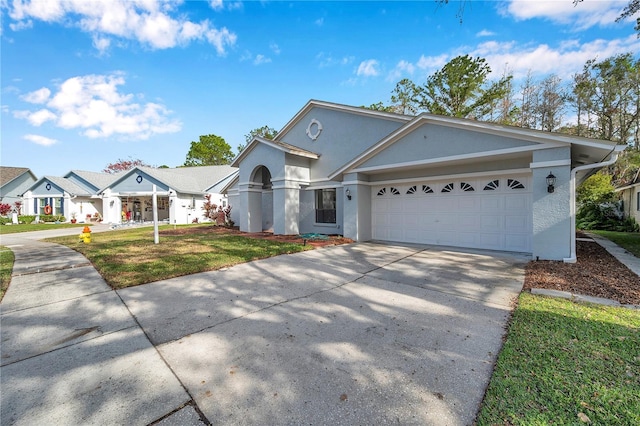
[(630, 241), (24, 227), (130, 257), (566, 363), (6, 266)]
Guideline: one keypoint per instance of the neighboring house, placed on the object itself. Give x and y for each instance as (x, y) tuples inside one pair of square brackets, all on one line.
[(630, 196), (14, 181), (116, 198), (179, 193), (76, 193), (427, 179)]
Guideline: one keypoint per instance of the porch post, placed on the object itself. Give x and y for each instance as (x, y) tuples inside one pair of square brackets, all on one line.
[(286, 212)]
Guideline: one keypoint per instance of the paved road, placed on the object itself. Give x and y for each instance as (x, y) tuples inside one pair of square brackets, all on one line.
[(357, 334)]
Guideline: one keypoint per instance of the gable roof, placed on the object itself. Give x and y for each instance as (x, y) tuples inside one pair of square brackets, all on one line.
[(9, 174), (313, 103), (588, 151), (63, 184), (96, 179), (280, 146), (187, 180), (218, 187)]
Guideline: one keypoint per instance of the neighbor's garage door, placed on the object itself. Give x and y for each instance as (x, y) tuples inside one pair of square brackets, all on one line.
[(491, 213)]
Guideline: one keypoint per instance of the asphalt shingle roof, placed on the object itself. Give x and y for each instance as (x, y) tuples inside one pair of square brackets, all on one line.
[(7, 174)]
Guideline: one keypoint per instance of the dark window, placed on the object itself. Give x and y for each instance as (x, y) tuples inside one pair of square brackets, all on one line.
[(325, 205), (638, 201)]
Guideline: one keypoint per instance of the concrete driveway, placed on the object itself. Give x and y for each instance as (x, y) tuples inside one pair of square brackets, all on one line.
[(357, 334)]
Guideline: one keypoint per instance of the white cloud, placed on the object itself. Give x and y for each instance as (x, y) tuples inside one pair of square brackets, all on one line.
[(564, 60), (485, 33), (150, 22), (41, 116), (432, 63), (216, 4), (261, 59), (326, 60), (274, 48), (402, 68), (219, 5), (583, 15), (94, 105), (319, 22), (39, 96), (368, 68), (40, 140)]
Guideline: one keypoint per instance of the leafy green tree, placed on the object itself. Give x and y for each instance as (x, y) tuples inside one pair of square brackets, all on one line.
[(210, 150), (460, 89), (405, 97), (265, 132), (597, 188), (610, 94), (380, 107)]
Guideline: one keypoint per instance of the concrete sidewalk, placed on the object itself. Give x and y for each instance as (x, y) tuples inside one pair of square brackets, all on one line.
[(356, 334), (71, 351)]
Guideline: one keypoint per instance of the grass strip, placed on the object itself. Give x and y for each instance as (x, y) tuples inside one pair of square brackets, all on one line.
[(566, 363), (29, 227), (6, 267), (129, 257), (630, 241)]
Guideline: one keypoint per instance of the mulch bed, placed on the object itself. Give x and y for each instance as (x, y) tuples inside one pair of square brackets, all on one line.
[(596, 273), (331, 240)]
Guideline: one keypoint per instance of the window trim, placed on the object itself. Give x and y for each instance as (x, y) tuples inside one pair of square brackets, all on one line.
[(325, 216)]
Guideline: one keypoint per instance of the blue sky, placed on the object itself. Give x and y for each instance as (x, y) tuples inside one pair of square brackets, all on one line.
[(84, 83)]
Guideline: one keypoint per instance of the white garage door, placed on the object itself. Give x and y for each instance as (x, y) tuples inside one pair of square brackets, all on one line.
[(489, 213)]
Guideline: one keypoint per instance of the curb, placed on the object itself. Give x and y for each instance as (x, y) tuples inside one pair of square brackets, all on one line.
[(582, 298)]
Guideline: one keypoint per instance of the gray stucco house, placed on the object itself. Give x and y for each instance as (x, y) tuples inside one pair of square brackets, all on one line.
[(372, 175), (14, 181)]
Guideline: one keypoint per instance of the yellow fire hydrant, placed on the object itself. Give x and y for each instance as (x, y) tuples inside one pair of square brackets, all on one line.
[(86, 235)]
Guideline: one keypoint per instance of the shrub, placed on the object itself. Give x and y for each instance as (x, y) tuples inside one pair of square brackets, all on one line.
[(604, 216), (52, 218), (4, 220), (5, 208), (26, 219)]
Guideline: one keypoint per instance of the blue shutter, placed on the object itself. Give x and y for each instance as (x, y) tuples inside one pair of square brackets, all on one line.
[(35, 206), (62, 206)]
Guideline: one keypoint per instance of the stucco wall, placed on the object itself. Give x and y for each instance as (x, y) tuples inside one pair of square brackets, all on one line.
[(551, 211), (12, 191), (344, 136), (431, 141)]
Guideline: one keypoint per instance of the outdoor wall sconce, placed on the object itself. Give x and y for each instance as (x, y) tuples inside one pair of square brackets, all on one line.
[(111, 203), (551, 183), (348, 194)]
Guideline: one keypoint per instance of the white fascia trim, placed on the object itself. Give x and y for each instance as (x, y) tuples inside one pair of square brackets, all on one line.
[(452, 158), (355, 182), (452, 176), (554, 163), (139, 194), (327, 186)]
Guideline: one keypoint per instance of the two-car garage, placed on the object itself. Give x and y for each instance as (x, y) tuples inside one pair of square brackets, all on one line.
[(492, 212)]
